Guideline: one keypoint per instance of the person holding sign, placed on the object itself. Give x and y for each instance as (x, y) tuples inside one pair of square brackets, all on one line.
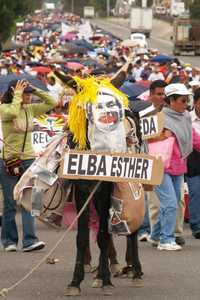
[(177, 124), (17, 113)]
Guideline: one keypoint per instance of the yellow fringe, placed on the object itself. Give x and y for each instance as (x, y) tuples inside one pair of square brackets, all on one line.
[(87, 93)]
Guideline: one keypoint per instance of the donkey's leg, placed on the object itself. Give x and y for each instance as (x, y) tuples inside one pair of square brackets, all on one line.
[(82, 241), (102, 205), (136, 265), (112, 255)]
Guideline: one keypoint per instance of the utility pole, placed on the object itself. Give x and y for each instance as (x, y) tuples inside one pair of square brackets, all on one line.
[(72, 6), (108, 8)]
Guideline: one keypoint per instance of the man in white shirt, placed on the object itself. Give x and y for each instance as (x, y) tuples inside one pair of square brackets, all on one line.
[(55, 89), (156, 74)]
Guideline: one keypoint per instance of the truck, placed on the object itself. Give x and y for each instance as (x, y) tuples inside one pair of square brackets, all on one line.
[(186, 36), (49, 6), (160, 11), (88, 12), (177, 9), (141, 20)]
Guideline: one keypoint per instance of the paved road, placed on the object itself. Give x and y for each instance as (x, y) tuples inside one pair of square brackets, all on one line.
[(168, 275), (160, 37)]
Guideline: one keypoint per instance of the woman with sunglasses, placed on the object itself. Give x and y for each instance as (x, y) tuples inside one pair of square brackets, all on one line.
[(17, 112), (178, 124)]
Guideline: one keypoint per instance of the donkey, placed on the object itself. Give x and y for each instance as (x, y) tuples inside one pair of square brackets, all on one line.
[(107, 134)]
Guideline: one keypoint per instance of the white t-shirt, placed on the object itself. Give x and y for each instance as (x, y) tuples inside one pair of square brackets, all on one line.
[(55, 90), (156, 76)]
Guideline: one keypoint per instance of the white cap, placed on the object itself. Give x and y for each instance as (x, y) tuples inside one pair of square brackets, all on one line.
[(176, 89), (194, 83), (188, 69)]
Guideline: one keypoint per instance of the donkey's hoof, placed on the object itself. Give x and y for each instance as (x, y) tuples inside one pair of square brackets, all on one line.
[(72, 291), (115, 269), (88, 268), (126, 272), (137, 282), (130, 274), (97, 283), (107, 290)]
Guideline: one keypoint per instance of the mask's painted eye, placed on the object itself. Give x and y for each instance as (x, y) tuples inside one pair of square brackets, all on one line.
[(110, 104), (99, 106)]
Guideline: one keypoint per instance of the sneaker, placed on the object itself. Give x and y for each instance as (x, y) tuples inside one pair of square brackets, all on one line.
[(196, 234), (36, 246), (143, 237), (180, 240), (11, 248), (115, 269), (169, 246), (153, 242)]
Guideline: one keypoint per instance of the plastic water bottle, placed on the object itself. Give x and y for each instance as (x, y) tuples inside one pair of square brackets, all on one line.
[(36, 200)]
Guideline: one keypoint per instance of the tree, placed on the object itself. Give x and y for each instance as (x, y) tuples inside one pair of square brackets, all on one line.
[(6, 21), (139, 3), (100, 5), (195, 10), (13, 9)]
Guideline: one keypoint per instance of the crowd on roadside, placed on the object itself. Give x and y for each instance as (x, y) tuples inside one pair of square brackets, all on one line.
[(46, 42)]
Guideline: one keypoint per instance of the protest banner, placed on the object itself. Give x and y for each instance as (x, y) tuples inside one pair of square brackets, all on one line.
[(117, 167), (46, 127), (152, 126)]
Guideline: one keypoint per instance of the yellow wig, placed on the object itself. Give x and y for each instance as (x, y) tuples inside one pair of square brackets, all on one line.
[(87, 93)]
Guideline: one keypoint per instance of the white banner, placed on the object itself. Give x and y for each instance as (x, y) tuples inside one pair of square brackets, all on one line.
[(112, 167)]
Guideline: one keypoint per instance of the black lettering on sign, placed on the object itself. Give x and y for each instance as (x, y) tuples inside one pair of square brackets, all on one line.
[(148, 126), (35, 138), (138, 168), (42, 137), (145, 126), (102, 167), (131, 167), (72, 162), (119, 171), (126, 160), (144, 169), (80, 164), (152, 126), (91, 169), (113, 166)]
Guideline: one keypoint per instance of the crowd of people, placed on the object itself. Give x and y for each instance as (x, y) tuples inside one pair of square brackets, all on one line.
[(49, 42)]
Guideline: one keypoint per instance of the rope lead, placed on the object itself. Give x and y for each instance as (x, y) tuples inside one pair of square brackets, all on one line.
[(4, 291)]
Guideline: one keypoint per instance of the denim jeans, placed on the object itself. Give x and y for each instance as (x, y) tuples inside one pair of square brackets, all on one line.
[(169, 194), (145, 227), (9, 233), (194, 202)]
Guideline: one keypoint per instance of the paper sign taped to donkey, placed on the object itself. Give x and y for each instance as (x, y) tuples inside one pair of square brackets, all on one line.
[(118, 167), (152, 126)]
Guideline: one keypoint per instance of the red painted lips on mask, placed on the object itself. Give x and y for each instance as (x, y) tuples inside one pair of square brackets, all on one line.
[(108, 118)]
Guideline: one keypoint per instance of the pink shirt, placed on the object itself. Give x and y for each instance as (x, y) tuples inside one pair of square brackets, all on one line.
[(178, 165)]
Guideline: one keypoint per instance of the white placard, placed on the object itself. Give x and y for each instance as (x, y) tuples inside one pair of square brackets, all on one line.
[(112, 167)]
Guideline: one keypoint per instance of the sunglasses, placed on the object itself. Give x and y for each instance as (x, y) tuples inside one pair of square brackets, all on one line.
[(184, 101)]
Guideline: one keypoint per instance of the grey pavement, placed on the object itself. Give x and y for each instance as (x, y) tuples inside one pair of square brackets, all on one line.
[(167, 275), (160, 37)]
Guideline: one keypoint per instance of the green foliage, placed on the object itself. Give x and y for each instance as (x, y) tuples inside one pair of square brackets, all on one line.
[(10, 10), (139, 3), (195, 10), (100, 5)]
